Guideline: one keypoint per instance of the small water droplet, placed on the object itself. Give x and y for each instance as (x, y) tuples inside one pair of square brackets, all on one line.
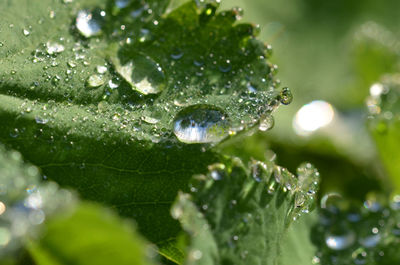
[(71, 64), (201, 124), (225, 66), (53, 48), (176, 54), (95, 81), (40, 120), (217, 171), (286, 96), (150, 120), (101, 69), (359, 257), (266, 123), (112, 84)]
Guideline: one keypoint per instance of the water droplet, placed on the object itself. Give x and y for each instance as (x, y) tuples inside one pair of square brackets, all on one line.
[(41, 120), (217, 171), (225, 66), (257, 170), (53, 48), (286, 96), (371, 239), (143, 74), (71, 64), (359, 257), (95, 81), (177, 54), (339, 240), (89, 24), (201, 124), (150, 120), (113, 84), (26, 32), (101, 69), (266, 123)]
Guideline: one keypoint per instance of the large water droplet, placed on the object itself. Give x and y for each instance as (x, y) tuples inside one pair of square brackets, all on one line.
[(201, 124), (143, 74), (89, 24)]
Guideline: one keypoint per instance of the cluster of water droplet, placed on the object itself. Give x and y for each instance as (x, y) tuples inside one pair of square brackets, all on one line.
[(238, 201), (159, 75), (384, 104), (25, 203), (347, 234), (275, 179)]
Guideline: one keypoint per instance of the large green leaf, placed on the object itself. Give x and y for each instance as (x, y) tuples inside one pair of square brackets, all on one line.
[(239, 215), (88, 123)]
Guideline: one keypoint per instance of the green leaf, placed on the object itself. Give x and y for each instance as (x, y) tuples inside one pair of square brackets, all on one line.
[(384, 124), (297, 245), (239, 215), (25, 202), (90, 235), (66, 108)]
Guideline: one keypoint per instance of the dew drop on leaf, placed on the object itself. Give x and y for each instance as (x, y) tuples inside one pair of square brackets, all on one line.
[(89, 24), (286, 96), (266, 123), (143, 74), (54, 47), (95, 81), (201, 124), (101, 69)]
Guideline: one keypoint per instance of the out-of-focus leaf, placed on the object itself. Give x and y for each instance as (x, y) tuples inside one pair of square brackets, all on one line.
[(90, 235), (384, 123), (25, 203)]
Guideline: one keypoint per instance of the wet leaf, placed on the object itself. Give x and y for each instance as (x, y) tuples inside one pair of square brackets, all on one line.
[(90, 90), (239, 215)]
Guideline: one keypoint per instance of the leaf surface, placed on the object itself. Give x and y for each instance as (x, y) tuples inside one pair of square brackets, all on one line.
[(239, 215)]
